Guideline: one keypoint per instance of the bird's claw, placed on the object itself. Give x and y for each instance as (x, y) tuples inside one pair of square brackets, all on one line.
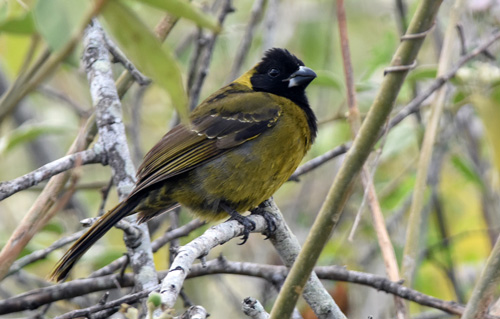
[(270, 221), (248, 226)]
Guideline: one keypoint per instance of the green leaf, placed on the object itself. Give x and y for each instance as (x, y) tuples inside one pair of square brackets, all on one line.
[(27, 133), (184, 9), (327, 78), (4, 11), (57, 20), (459, 97), (364, 86), (465, 167), (422, 73), (155, 299), (146, 52), (19, 25), (56, 228)]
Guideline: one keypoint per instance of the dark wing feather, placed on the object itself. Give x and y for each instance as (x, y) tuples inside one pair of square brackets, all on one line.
[(217, 126)]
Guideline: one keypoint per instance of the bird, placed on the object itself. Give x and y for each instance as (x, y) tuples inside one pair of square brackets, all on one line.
[(241, 144)]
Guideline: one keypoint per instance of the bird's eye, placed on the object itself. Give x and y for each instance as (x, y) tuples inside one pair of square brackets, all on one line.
[(273, 72)]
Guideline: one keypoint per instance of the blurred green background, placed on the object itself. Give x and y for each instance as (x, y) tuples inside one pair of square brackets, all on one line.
[(458, 227)]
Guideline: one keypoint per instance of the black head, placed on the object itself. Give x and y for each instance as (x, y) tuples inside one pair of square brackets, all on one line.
[(282, 73)]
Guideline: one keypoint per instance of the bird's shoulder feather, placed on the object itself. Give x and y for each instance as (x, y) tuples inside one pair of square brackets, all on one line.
[(228, 118)]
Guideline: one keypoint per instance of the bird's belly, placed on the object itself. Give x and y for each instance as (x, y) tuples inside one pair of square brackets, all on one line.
[(242, 178)]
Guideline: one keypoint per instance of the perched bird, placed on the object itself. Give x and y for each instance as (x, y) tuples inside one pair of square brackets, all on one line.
[(242, 143)]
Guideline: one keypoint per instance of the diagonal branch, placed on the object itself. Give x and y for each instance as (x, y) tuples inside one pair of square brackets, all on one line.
[(339, 192), (409, 109), (9, 188)]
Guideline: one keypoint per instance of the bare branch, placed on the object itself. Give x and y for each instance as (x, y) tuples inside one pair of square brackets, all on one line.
[(288, 247), (199, 247), (8, 188), (254, 309), (156, 245), (409, 109), (113, 140), (40, 254), (206, 56), (119, 56), (271, 273), (246, 40), (112, 304)]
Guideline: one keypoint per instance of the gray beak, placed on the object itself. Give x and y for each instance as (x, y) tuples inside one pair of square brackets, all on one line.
[(302, 77)]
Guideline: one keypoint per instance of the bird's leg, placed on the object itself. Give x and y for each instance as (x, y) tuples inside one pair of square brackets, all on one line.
[(248, 224), (270, 220)]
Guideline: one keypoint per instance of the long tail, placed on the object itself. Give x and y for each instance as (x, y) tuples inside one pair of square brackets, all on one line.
[(96, 231)]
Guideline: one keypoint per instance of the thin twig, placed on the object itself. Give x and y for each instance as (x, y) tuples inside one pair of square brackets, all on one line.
[(413, 230), (50, 92), (409, 109), (383, 237), (119, 56), (341, 188), (41, 211), (182, 231), (254, 309), (271, 273), (8, 188), (206, 57), (112, 304), (270, 22), (41, 254), (246, 40)]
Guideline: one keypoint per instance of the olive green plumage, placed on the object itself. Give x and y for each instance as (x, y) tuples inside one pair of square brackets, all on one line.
[(242, 143)]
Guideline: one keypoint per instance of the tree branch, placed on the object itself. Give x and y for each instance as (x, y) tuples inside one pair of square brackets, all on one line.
[(113, 140), (339, 192), (272, 273), (9, 188)]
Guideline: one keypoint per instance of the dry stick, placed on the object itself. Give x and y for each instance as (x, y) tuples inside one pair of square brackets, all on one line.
[(42, 253), (112, 138), (244, 48), (339, 192), (199, 247), (56, 95), (206, 57), (390, 261), (288, 247), (194, 312), (41, 210), (119, 56), (272, 273), (270, 23), (410, 254), (31, 223), (48, 170), (253, 308), (485, 287), (112, 304), (284, 242), (156, 245)]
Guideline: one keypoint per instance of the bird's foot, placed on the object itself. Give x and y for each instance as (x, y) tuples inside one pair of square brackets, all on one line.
[(270, 221), (248, 225)]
